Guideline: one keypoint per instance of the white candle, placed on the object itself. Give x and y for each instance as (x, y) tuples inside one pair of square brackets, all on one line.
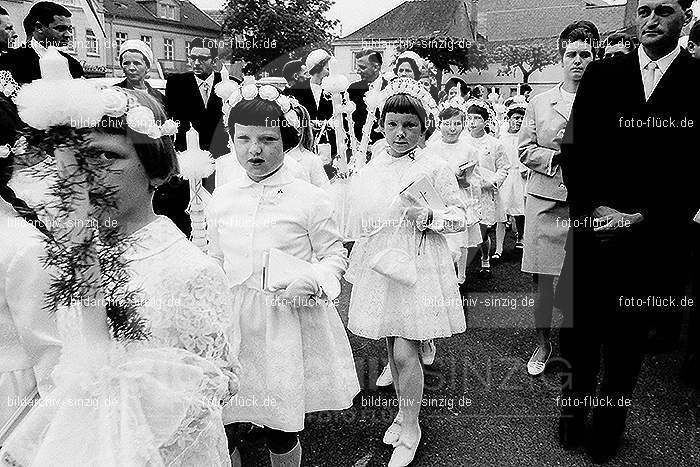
[(54, 66), (192, 138)]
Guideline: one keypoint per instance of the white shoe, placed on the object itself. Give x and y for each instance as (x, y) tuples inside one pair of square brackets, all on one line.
[(536, 367), (405, 451), (385, 379), (427, 352)]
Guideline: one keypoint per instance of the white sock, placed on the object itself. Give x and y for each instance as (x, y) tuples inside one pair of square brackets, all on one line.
[(500, 237), (289, 459)]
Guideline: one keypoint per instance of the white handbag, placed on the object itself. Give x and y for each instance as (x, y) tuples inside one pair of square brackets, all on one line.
[(395, 263)]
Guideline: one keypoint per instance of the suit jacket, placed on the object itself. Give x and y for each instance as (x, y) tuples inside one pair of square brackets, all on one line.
[(540, 138), (634, 156), (23, 63), (156, 94), (323, 111), (356, 93), (185, 105), (9, 121)]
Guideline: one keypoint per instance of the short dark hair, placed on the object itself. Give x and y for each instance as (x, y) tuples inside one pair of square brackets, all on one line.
[(478, 110), (374, 56), (454, 81), (525, 88), (205, 43), (405, 104), (3, 11), (694, 35), (449, 112), (291, 67), (43, 12), (261, 112), (685, 4), (515, 110), (583, 31), (412, 63)]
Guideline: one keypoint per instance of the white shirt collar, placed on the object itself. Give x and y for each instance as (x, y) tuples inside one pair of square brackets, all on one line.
[(664, 62), (38, 48), (209, 80), (279, 178), (377, 84)]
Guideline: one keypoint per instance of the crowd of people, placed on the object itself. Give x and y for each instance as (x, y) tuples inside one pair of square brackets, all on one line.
[(244, 329)]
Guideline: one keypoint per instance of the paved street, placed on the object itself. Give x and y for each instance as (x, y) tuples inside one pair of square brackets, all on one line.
[(481, 407)]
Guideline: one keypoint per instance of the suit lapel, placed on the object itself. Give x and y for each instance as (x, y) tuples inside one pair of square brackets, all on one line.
[(557, 104), (211, 104), (669, 80), (194, 90)]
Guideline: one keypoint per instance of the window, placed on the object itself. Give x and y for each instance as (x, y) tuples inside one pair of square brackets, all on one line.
[(91, 44), (168, 11), (148, 40), (168, 49), (119, 39)]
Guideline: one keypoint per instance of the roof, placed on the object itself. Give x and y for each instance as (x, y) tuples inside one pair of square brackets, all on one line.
[(216, 15), (190, 15), (532, 19), (418, 18)]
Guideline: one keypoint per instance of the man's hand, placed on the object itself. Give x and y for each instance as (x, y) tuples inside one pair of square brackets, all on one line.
[(609, 223)]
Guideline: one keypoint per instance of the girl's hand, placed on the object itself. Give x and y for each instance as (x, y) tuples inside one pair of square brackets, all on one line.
[(301, 291)]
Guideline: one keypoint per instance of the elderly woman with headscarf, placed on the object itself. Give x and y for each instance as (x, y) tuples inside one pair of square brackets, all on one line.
[(136, 59)]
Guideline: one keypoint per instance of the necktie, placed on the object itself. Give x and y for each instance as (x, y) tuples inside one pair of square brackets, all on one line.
[(204, 88), (650, 77)]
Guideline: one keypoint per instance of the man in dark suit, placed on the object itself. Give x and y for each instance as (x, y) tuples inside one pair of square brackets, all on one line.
[(191, 101), (7, 31), (369, 67), (634, 116), (47, 24)]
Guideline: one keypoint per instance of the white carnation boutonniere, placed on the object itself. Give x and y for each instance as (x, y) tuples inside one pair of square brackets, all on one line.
[(5, 151)]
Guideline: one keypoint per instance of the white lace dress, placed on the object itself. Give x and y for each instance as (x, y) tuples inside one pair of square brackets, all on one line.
[(295, 359), (143, 403), (381, 306), (511, 196), (493, 166)]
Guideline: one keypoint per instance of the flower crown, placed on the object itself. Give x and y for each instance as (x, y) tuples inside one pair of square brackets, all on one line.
[(484, 105), (411, 87), (78, 103), (231, 93), (456, 102)]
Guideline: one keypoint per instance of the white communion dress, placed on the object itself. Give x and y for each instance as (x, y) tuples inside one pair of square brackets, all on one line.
[(145, 403)]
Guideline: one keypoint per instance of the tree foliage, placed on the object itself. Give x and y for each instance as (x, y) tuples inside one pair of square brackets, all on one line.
[(267, 33), (526, 57)]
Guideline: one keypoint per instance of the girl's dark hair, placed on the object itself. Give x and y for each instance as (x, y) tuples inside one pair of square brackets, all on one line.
[(306, 136), (412, 63), (478, 110), (515, 110), (156, 155), (449, 112), (405, 104), (261, 112), (583, 31)]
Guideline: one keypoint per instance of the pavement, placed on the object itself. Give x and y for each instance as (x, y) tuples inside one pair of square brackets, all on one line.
[(481, 408)]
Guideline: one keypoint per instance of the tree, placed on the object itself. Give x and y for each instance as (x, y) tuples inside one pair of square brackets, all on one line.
[(267, 33), (447, 52), (527, 57)]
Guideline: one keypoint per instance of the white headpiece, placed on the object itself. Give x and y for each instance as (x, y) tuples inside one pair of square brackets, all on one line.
[(456, 102), (315, 57), (231, 93), (407, 86), (137, 46)]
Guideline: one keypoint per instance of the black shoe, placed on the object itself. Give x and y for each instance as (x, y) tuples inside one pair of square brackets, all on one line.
[(602, 452), (607, 430), (485, 273), (571, 431), (690, 374)]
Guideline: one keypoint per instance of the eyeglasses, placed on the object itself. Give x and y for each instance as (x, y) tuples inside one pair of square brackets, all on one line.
[(200, 58)]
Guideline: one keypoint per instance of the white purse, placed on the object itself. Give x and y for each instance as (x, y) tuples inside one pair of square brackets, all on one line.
[(395, 263)]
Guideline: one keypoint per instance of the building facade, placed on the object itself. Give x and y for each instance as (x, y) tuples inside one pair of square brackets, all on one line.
[(167, 25)]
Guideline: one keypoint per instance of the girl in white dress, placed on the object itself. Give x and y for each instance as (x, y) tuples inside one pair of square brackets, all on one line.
[(458, 152), (147, 402), (411, 294), (304, 153), (295, 354), (511, 196), (29, 343), (493, 166)]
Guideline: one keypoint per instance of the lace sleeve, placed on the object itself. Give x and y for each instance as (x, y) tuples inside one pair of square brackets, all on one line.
[(204, 318)]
